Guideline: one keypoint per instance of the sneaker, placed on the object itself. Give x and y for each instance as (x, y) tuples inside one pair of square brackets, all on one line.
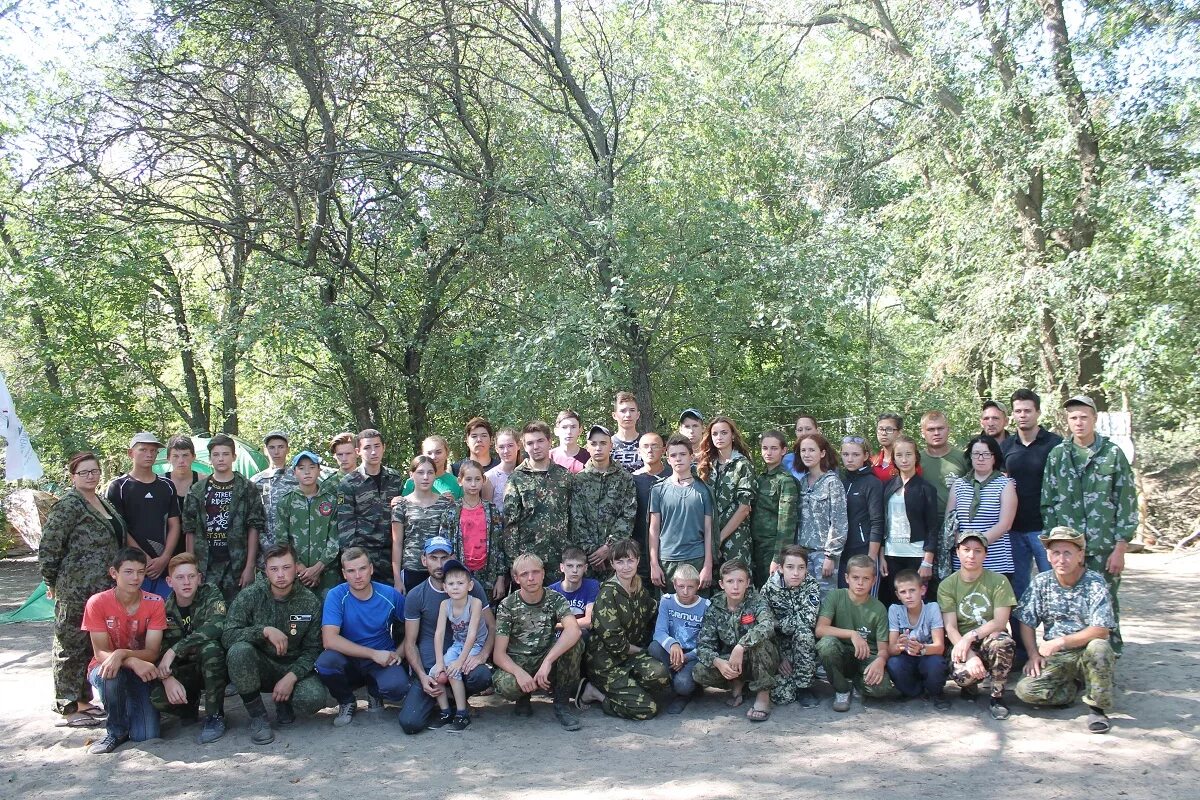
[(524, 707), (106, 745), (230, 690), (374, 703), (677, 704), (345, 714), (214, 728), (941, 703), (440, 721), (260, 730), (460, 723), (284, 713), (998, 708), (807, 699), (820, 674), (566, 717), (841, 701)]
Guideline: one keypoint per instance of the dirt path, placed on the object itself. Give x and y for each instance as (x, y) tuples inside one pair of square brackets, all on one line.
[(902, 750)]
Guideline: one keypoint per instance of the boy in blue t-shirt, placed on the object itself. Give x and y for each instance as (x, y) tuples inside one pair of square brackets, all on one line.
[(916, 642), (581, 592), (677, 631)]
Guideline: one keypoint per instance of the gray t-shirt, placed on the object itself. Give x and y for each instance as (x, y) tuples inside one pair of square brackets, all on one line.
[(683, 509), (931, 617), (423, 602)]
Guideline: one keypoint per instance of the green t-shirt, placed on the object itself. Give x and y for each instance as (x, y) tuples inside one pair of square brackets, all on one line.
[(975, 603), (942, 471), (442, 484), (868, 617)]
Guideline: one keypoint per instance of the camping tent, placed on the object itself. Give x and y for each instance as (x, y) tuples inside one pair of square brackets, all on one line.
[(38, 607)]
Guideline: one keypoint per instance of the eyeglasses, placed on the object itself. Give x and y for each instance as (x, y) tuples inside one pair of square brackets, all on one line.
[(853, 440), (87, 473), (981, 455), (888, 429)]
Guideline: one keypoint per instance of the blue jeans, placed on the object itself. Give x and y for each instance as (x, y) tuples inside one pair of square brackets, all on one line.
[(418, 705), (681, 682), (1028, 551), (126, 698), (342, 674), (913, 674), (157, 586)]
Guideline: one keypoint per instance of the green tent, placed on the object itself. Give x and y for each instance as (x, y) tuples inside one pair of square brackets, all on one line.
[(37, 607)]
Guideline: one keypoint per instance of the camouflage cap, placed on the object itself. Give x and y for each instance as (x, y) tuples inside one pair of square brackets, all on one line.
[(964, 535), (1062, 533), (275, 435)]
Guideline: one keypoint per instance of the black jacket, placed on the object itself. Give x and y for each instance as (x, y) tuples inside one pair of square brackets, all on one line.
[(864, 508), (920, 505)]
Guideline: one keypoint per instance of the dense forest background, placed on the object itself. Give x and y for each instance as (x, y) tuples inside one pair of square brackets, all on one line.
[(238, 216)]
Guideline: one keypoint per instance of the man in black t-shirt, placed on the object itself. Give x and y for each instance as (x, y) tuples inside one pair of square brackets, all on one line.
[(150, 508)]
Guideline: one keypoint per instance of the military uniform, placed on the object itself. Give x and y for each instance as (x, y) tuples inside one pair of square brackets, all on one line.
[(364, 515), (77, 548), (530, 632), (273, 483), (732, 485), (195, 636), (245, 512), (752, 625), (497, 565), (419, 525), (774, 519), (309, 525), (1091, 489), (251, 660), (603, 507), (1064, 610), (621, 619), (796, 612), (537, 514)]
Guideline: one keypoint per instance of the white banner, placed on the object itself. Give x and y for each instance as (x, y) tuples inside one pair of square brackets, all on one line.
[(22, 463)]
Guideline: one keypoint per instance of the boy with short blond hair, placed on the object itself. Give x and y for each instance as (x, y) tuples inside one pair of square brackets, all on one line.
[(852, 632), (677, 633), (795, 597)]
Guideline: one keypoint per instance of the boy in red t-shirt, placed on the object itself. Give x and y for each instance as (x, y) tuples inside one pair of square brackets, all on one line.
[(126, 627)]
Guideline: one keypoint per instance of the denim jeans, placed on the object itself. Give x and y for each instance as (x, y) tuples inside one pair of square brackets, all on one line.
[(342, 674), (126, 698), (682, 682), (1028, 552), (914, 674), (418, 706)]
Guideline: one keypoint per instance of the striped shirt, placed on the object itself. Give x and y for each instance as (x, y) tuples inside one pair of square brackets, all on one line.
[(999, 553)]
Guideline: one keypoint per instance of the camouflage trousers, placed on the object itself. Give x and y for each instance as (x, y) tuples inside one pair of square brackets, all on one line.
[(845, 670), (225, 577), (253, 671), (669, 569), (799, 650), (1058, 683), (205, 675), (760, 667), (71, 652), (1098, 563), (738, 546), (564, 675), (996, 653), (763, 549), (629, 686)]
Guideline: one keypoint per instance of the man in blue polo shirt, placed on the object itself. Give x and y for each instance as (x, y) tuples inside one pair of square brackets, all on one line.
[(356, 630)]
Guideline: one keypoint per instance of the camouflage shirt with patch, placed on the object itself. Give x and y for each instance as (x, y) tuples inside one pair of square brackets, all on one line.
[(537, 514), (722, 630), (603, 506), (1090, 489), (530, 627), (1064, 610), (203, 622)]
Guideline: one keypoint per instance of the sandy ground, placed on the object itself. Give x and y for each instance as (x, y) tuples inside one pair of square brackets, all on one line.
[(901, 750)]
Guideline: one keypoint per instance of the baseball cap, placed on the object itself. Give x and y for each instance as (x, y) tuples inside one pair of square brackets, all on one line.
[(145, 437), (691, 412), (310, 455), (1081, 400), (454, 564), (1062, 533), (592, 431), (435, 543), (275, 435), (964, 535)]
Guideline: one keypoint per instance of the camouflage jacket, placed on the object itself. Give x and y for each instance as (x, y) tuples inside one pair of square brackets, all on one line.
[(620, 619), (1064, 610), (245, 512), (537, 515), (795, 610), (1091, 490), (603, 506), (723, 629), (530, 628), (418, 524), (823, 523), (78, 546), (298, 616), (497, 564), (274, 483), (776, 508), (732, 485), (309, 526), (207, 622), (364, 516)]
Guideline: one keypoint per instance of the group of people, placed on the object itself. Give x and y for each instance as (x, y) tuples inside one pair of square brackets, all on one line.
[(885, 574)]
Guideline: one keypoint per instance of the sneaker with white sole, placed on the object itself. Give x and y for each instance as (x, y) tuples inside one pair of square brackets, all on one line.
[(345, 714), (841, 701), (109, 743)]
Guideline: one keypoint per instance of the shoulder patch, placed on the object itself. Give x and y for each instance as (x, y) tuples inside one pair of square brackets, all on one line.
[(325, 508)]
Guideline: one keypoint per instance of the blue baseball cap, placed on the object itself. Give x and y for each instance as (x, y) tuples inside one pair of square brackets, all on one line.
[(310, 455), (438, 543)]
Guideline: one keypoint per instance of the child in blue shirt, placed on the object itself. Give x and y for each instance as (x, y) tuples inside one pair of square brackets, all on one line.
[(580, 592), (916, 641), (680, 616)]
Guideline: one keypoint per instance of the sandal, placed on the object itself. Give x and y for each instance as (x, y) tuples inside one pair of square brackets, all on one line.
[(95, 711), (577, 700), (1097, 722), (79, 719), (756, 714), (735, 700)]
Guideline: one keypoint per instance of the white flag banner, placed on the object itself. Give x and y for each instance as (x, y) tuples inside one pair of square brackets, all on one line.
[(21, 462)]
